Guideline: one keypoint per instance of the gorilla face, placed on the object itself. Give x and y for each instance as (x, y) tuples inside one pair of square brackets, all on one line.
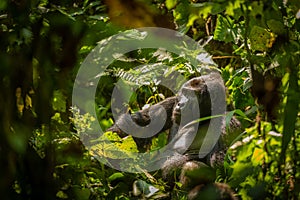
[(193, 101)]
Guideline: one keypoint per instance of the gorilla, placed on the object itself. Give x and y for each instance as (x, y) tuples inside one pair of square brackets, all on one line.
[(198, 134)]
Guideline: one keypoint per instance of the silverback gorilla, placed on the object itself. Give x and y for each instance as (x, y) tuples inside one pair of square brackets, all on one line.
[(198, 98)]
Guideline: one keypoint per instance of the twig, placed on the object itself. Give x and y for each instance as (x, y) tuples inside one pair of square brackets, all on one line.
[(224, 57)]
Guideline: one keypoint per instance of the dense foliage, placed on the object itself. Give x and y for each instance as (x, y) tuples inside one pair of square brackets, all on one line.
[(254, 43)]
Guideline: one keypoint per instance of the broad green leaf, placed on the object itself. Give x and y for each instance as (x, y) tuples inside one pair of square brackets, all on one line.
[(260, 39), (224, 29)]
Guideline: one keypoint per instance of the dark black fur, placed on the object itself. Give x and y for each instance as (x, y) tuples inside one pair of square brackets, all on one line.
[(181, 112), (142, 118)]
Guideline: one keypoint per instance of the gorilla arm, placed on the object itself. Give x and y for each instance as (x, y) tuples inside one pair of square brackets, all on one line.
[(142, 117)]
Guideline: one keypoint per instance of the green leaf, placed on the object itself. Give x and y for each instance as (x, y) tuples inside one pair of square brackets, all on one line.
[(181, 13), (60, 194), (241, 113), (209, 8), (290, 112), (232, 8), (115, 176), (82, 193), (224, 29), (276, 26), (228, 117), (171, 4), (259, 39), (128, 144), (142, 187)]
